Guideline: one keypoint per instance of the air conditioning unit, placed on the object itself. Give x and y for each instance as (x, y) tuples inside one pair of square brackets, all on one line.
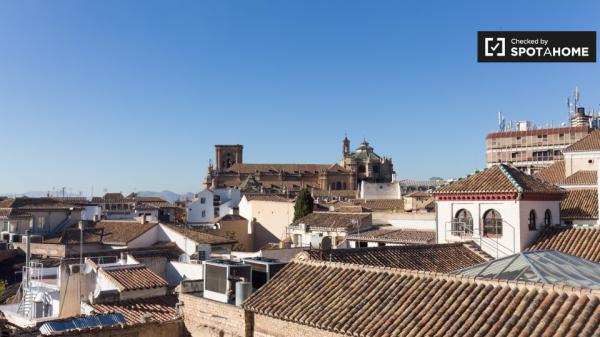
[(220, 277), (263, 269)]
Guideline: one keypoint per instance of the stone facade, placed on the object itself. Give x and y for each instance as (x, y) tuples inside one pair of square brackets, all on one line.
[(361, 165)]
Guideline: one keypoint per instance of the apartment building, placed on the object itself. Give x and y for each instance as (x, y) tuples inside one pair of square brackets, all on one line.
[(531, 150)]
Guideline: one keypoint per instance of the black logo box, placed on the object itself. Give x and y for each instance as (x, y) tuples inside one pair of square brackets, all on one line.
[(555, 39)]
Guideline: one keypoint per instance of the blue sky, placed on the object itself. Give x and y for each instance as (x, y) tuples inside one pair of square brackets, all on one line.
[(132, 95)]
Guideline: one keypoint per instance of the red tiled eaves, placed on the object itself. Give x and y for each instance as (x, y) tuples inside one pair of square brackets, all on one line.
[(134, 277)]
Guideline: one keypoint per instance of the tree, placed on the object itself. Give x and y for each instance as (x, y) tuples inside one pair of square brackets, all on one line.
[(304, 204)]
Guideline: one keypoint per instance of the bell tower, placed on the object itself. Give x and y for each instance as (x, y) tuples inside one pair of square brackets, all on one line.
[(346, 146), (227, 155)]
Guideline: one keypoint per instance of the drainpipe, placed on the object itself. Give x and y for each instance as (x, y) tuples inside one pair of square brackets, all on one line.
[(27, 257)]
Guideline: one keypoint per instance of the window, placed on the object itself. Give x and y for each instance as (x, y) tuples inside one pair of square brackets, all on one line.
[(361, 169), (547, 218), (203, 201), (216, 212), (333, 186), (376, 168), (5, 226), (492, 223), (338, 186), (463, 223), (590, 161), (203, 214), (532, 217)]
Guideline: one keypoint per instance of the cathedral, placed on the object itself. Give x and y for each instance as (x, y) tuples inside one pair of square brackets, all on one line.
[(345, 176)]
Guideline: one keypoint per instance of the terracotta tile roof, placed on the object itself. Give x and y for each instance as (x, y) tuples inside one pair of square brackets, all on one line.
[(72, 236), (554, 173), (497, 179), (352, 209), (26, 203), (333, 220), (12, 213), (418, 194), (227, 217), (158, 309), (203, 236), (266, 197), (120, 232), (333, 193), (381, 204), (287, 168), (591, 142), (442, 258), (582, 242), (395, 235), (133, 277), (581, 178), (580, 204), (356, 300)]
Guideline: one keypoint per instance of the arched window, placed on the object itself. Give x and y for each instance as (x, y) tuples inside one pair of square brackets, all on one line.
[(532, 220), (361, 169), (492, 223), (333, 186), (338, 186), (547, 218), (463, 223)]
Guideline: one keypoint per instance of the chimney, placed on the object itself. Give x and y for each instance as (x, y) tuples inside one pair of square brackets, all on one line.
[(235, 211)]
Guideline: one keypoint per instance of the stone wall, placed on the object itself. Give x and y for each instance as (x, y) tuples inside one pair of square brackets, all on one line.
[(203, 317)]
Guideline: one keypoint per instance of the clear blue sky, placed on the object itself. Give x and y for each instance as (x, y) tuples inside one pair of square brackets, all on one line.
[(130, 95)]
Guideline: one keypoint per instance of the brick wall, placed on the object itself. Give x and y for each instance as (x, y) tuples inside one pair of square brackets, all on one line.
[(203, 317), (265, 326)]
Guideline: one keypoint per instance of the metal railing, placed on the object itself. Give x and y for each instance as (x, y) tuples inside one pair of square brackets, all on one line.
[(487, 238)]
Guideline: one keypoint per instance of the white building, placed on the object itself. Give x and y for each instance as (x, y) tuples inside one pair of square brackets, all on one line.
[(325, 230), (500, 208), (212, 203), (376, 191)]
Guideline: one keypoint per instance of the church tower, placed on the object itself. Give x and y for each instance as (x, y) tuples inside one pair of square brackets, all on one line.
[(346, 146), (227, 155)]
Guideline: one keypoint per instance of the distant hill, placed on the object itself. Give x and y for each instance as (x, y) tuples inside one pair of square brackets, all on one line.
[(167, 195)]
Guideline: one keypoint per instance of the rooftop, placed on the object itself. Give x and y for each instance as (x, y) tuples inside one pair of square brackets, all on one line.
[(334, 220), (582, 242), (581, 178), (545, 266), (395, 235), (133, 277), (554, 173), (357, 300), (436, 258), (591, 142), (203, 236), (157, 309), (499, 178), (580, 205), (381, 204)]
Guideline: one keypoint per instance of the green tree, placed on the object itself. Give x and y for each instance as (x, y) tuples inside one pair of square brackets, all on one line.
[(304, 204)]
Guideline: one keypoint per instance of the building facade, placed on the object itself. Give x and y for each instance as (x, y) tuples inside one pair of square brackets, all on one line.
[(361, 165)]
